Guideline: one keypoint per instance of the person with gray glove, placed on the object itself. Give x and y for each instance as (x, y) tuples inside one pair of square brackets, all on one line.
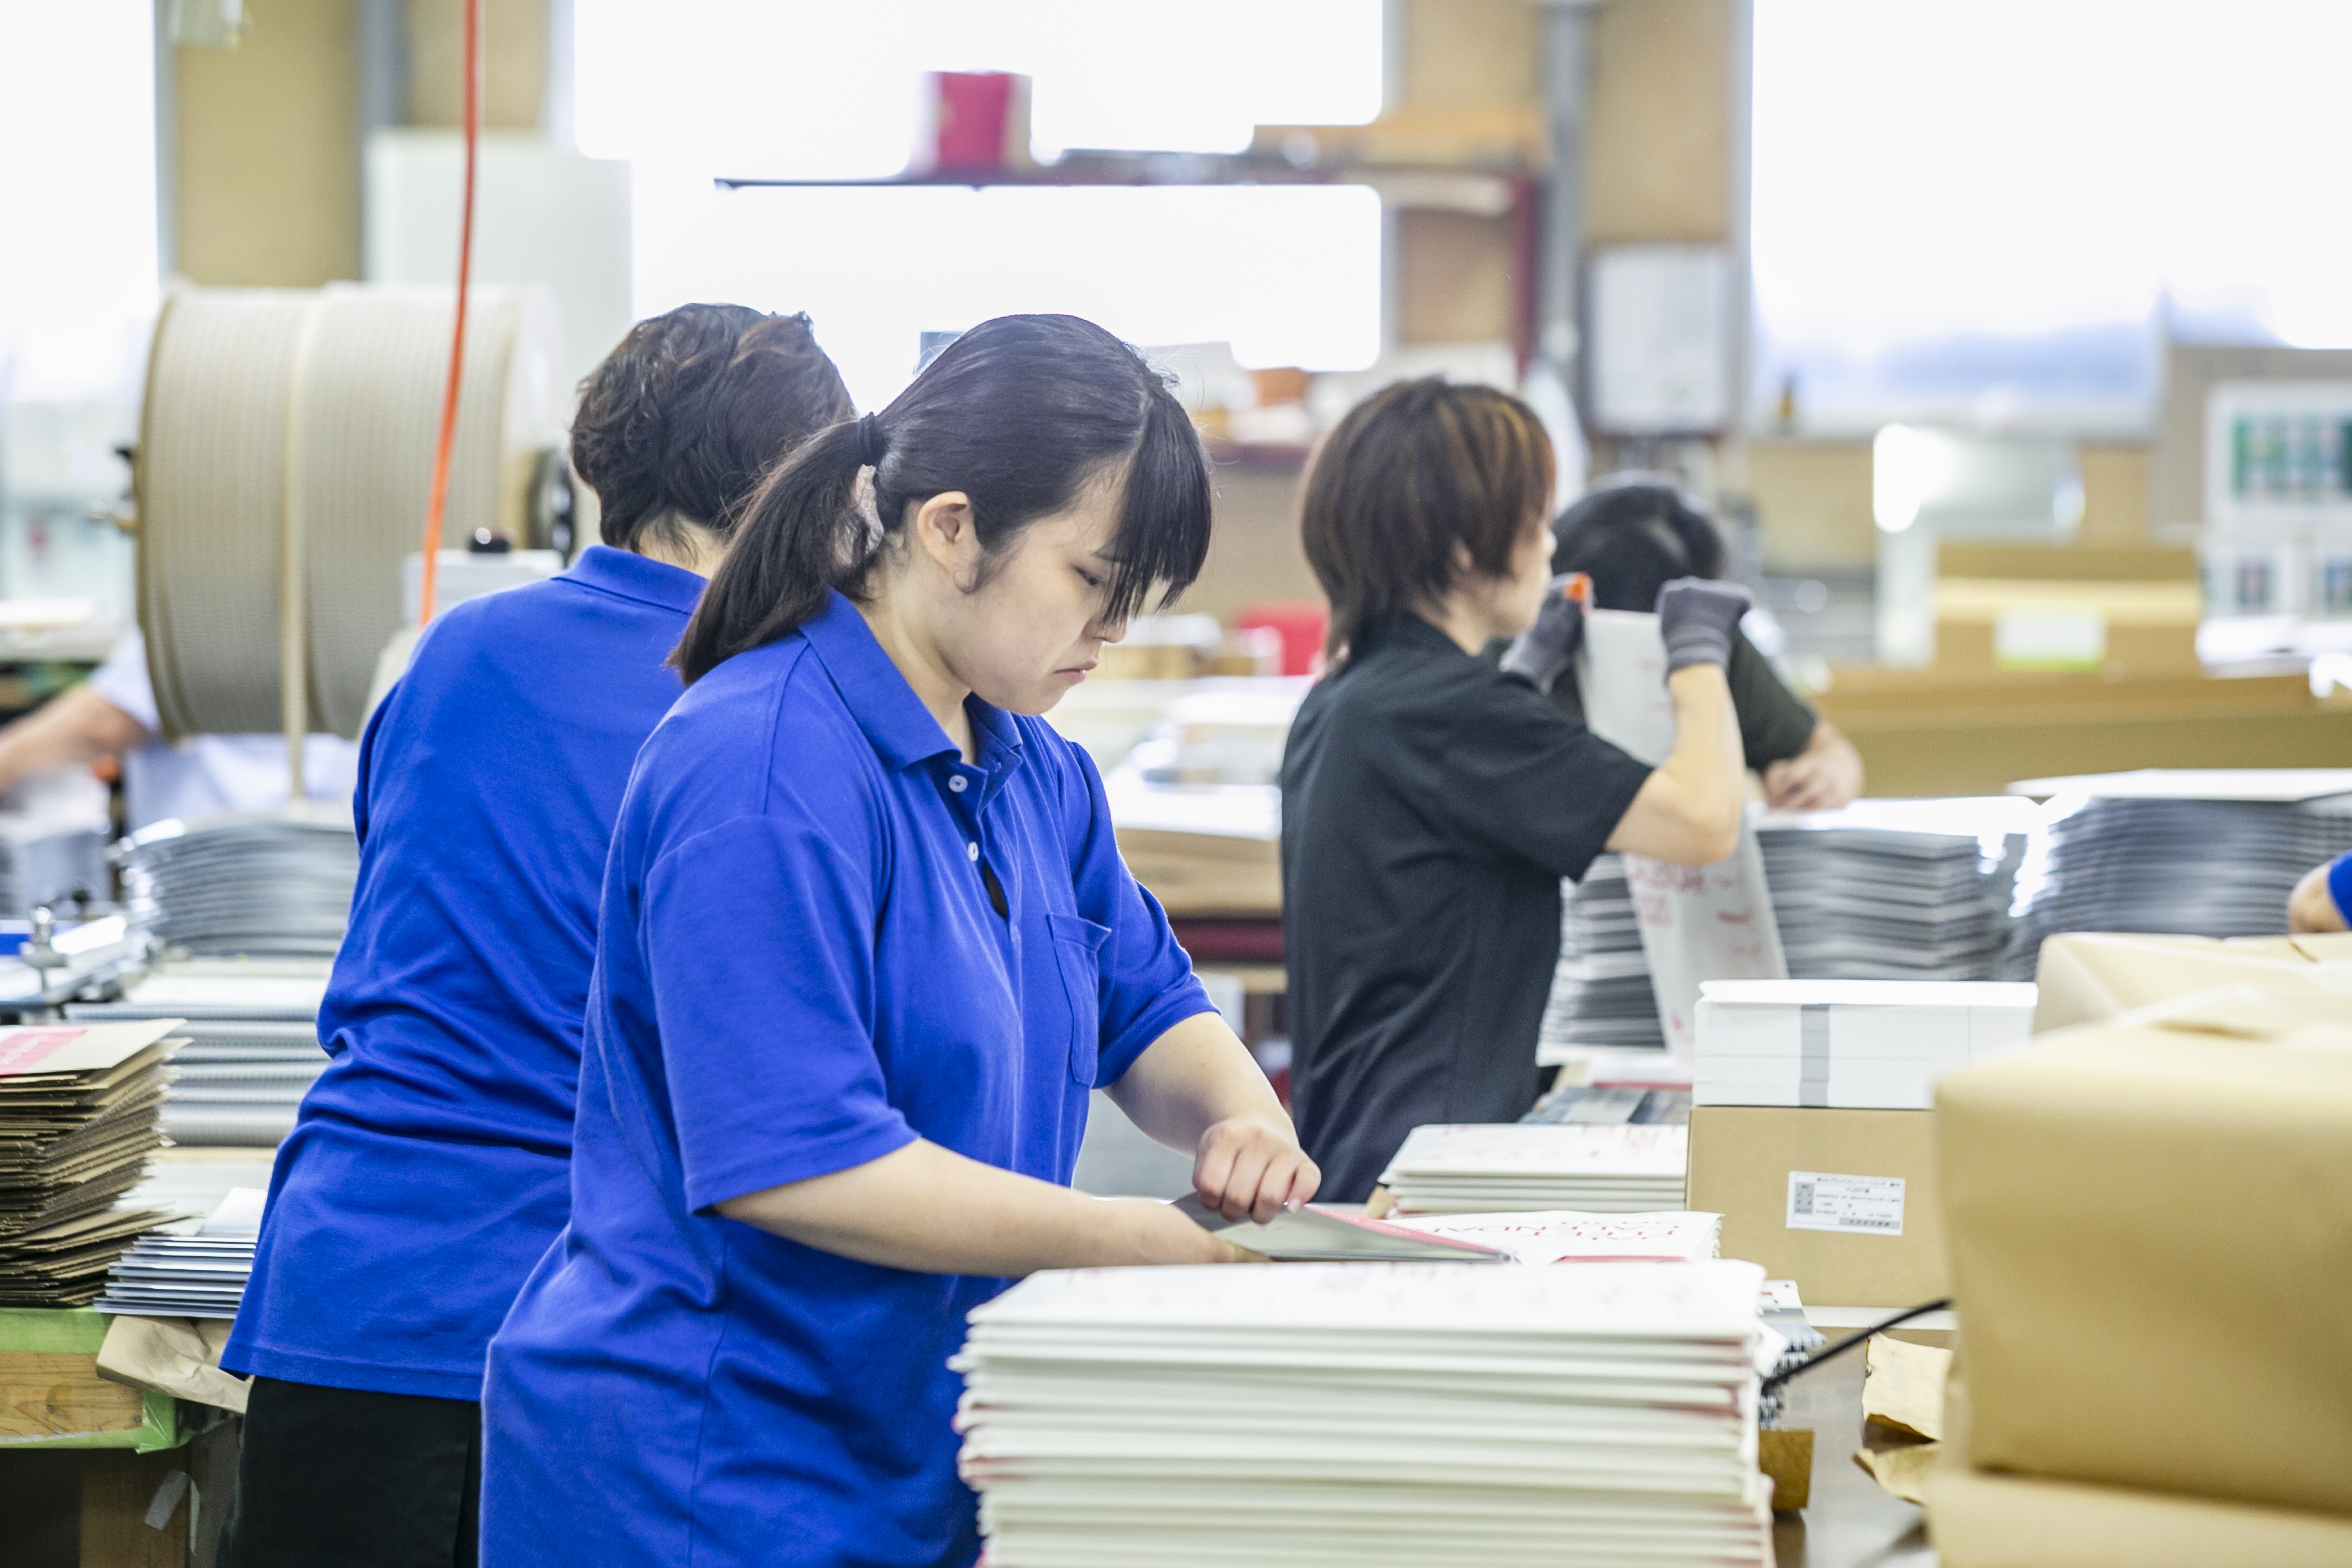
[(1545, 648), (1696, 618)]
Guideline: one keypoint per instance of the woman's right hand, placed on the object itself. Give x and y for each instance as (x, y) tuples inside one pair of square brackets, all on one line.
[(1698, 618)]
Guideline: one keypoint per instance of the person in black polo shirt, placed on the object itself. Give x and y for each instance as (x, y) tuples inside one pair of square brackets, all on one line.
[(1432, 802), (1632, 534)]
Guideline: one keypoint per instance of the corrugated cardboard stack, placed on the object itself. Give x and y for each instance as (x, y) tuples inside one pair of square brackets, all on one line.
[(1418, 1415), (252, 1050), (2150, 1227)]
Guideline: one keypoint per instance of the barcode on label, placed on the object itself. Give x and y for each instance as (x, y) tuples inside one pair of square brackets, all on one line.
[(1869, 1205)]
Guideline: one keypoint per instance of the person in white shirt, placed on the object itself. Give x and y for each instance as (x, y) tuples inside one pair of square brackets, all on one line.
[(113, 714)]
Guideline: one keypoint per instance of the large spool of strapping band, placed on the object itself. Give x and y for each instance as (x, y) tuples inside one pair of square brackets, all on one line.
[(284, 465)]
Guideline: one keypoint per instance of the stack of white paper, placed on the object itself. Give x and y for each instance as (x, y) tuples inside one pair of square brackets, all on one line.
[(1510, 1167), (1546, 1236), (1412, 1415), (1896, 890), (252, 1053), (1850, 1044), (196, 1268), (2193, 852), (274, 883)]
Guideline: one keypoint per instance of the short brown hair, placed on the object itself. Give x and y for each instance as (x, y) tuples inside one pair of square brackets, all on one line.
[(1414, 471), (693, 407)]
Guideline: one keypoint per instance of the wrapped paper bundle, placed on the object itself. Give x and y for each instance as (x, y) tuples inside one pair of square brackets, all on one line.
[(2150, 1223)]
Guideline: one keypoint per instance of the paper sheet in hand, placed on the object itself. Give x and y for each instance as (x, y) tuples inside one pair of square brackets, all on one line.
[(1697, 923), (1314, 1234)]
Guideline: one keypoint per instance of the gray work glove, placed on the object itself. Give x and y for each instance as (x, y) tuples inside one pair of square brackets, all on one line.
[(1543, 650), (1698, 616)]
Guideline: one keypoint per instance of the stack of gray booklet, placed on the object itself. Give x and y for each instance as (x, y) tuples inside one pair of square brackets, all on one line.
[(253, 1046), (193, 1268), (271, 884), (2186, 852)]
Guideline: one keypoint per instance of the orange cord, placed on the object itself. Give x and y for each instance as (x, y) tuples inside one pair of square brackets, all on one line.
[(437, 509)]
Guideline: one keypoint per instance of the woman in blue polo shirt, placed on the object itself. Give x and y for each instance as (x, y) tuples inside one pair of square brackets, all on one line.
[(431, 1165), (866, 945)]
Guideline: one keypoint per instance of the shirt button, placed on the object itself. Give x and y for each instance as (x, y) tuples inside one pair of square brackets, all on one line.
[(956, 783), (973, 849)]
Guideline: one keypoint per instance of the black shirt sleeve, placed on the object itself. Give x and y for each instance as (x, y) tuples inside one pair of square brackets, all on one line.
[(1521, 778), (1775, 723)]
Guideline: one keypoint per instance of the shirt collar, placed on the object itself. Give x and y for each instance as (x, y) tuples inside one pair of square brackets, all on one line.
[(638, 578), (894, 718), (1406, 630)]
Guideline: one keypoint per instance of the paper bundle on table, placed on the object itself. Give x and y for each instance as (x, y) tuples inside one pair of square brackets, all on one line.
[(252, 1050), (1857, 1045), (196, 1269), (1486, 1167), (1407, 1414)]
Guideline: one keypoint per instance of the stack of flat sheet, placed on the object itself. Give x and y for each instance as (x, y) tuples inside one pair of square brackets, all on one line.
[(1513, 1167), (1601, 993), (1850, 1045), (1410, 1415), (252, 1053), (78, 1116), (195, 1268), (1896, 890), (2196, 852), (264, 883), (1547, 1237)]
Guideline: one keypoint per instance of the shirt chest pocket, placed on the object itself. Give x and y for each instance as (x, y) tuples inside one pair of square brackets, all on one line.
[(1078, 955)]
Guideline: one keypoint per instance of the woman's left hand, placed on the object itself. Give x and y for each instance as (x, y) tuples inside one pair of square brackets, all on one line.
[(1249, 1167)]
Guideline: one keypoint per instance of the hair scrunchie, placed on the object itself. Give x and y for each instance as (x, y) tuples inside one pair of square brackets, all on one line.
[(869, 441)]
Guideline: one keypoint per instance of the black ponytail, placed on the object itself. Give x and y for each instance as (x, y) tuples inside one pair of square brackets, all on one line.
[(1019, 413)]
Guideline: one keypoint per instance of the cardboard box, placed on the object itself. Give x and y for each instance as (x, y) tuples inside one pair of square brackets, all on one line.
[(1755, 1164), (2150, 1223), (1981, 1521)]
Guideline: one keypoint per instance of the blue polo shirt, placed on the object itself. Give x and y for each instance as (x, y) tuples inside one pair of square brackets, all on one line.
[(800, 969), (431, 1165)]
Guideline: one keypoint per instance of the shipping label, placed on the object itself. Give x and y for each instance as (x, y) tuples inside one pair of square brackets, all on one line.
[(1867, 1205)]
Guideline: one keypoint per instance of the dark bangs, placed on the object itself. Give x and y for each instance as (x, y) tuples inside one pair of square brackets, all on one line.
[(1163, 519)]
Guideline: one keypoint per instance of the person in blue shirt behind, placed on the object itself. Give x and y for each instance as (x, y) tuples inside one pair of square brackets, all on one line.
[(431, 1165), (866, 947)]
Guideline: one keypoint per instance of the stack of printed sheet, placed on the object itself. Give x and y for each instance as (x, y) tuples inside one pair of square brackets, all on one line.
[(193, 1268), (1546, 1236), (252, 1052), (1853, 1044), (1600, 992), (1331, 1416), (1896, 890), (262, 883), (1515, 1167), (2193, 852), (78, 1116)]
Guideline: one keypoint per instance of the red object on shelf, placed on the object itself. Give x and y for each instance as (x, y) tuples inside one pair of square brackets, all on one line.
[(979, 124), (1242, 941), (1301, 626)]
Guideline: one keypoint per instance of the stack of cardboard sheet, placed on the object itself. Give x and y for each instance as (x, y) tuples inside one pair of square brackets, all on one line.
[(78, 1116), (271, 883), (196, 1269), (252, 1052), (1896, 890), (1407, 1414), (2196, 852), (2150, 1223), (1514, 1167), (1861, 1045)]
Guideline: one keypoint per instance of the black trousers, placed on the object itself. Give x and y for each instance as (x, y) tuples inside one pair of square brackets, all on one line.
[(339, 1477)]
